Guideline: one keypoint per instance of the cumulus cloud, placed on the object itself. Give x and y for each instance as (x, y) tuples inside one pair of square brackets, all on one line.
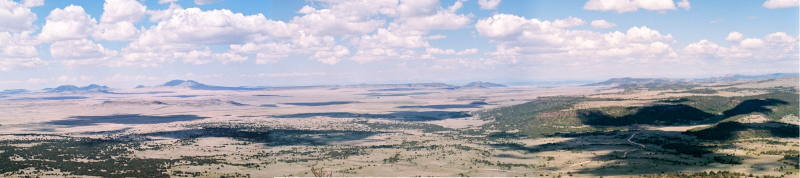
[(774, 46), (36, 81), (17, 51), (324, 49), (116, 22), (183, 33), (777, 4), (734, 37), (752, 43), (199, 57), (332, 56), (81, 52), (70, 23), (122, 10), (32, 3), (451, 51), (517, 37), (195, 26), (166, 1), (443, 19), (204, 2), (644, 34), (17, 17), (685, 4), (622, 6), (385, 43), (118, 31), (602, 24), (568, 22), (326, 22), (488, 4)]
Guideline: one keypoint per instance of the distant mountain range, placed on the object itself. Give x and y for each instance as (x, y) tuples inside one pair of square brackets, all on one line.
[(190, 84), (483, 85), (12, 91), (624, 83), (73, 88), (684, 82)]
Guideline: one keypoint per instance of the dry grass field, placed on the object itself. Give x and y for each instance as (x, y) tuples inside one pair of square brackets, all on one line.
[(368, 131)]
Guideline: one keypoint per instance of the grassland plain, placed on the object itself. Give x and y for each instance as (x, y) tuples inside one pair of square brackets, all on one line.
[(743, 129)]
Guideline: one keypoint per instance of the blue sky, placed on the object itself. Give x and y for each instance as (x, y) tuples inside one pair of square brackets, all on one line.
[(124, 43)]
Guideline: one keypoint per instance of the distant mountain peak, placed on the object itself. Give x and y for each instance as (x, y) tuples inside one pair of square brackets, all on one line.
[(483, 84), (629, 82), (73, 88), (191, 84)]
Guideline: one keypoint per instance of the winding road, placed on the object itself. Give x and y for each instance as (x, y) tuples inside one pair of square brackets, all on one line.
[(623, 156), (629, 140)]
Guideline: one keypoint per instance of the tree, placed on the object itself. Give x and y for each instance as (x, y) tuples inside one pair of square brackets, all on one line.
[(320, 172)]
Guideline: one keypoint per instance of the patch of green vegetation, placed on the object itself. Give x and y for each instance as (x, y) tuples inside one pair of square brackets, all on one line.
[(537, 118), (397, 94), (730, 130), (425, 127), (653, 115), (698, 91), (63, 154), (774, 105), (700, 174)]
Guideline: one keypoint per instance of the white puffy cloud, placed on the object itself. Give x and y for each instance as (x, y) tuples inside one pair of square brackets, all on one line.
[(774, 46), (644, 34), (17, 51), (182, 33), (118, 31), (327, 22), (734, 37), (419, 25), (32, 3), (779, 38), (81, 52), (602, 24), (387, 39), (307, 10), (194, 26), (204, 2), (324, 49), (116, 22), (266, 52), (417, 8), (488, 4), (685, 4), (387, 44), (70, 23), (520, 38), (332, 56), (157, 15), (451, 51), (64, 78), (502, 26), (166, 1), (36, 81), (17, 17), (703, 47), (122, 10), (197, 57), (622, 6), (777, 4), (752, 43), (568, 22)]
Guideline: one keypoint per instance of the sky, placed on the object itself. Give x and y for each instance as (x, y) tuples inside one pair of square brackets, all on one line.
[(125, 43)]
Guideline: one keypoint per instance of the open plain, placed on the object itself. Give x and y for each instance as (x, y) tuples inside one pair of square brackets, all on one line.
[(404, 130)]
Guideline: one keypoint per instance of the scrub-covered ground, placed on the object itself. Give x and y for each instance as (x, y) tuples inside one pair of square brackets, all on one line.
[(581, 131)]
